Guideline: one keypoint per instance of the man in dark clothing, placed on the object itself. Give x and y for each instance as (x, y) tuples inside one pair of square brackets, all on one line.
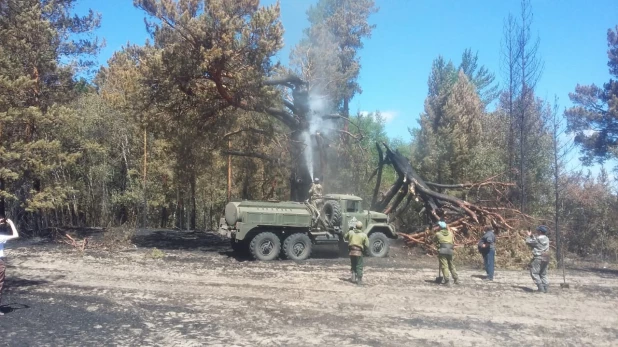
[(487, 247)]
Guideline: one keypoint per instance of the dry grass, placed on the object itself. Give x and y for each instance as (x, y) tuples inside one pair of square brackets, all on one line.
[(117, 238)]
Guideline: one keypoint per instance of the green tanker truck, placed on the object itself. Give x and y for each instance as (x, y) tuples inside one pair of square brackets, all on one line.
[(268, 229)]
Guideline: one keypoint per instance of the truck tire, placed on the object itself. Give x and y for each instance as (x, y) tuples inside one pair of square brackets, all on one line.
[(265, 246), (379, 245), (297, 247), (332, 212)]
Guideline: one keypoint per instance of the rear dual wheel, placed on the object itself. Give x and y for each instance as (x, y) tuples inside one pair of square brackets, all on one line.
[(265, 246), (297, 246)]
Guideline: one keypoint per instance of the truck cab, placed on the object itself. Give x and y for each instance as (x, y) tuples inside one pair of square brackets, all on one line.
[(375, 224)]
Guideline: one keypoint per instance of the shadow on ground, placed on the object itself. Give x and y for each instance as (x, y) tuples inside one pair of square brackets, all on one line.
[(605, 273), (16, 282), (209, 242), (12, 306), (525, 289), (179, 240)]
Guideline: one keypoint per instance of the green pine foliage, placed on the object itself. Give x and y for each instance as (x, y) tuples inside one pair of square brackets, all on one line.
[(36, 92)]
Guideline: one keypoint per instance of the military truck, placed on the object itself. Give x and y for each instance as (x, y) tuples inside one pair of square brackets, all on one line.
[(265, 228)]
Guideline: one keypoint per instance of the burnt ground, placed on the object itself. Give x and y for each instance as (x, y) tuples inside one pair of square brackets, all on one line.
[(197, 292)]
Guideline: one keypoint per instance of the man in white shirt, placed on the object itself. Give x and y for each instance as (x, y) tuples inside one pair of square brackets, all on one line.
[(3, 239)]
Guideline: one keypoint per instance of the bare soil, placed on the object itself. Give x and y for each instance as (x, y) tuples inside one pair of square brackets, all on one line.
[(196, 292)]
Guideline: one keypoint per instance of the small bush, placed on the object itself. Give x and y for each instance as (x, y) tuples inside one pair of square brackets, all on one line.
[(118, 237), (156, 253)]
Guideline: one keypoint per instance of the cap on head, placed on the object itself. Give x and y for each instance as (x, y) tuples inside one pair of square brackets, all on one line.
[(316, 180), (442, 224), (359, 225), (542, 229)]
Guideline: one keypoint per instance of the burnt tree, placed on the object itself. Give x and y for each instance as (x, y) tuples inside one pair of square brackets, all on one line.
[(454, 211)]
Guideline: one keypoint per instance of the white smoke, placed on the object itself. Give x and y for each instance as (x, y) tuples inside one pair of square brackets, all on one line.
[(319, 106), (317, 61), (308, 152)]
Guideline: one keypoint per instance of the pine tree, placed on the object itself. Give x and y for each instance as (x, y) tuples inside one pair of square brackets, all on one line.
[(595, 114), (461, 128), (36, 87), (346, 24)]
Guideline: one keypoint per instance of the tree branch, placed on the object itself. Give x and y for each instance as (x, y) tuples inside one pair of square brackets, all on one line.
[(259, 131), (252, 155)]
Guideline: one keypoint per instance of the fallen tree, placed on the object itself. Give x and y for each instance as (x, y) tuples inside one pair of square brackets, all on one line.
[(465, 218)]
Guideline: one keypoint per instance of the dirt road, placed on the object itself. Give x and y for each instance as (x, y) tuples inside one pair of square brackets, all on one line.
[(199, 294)]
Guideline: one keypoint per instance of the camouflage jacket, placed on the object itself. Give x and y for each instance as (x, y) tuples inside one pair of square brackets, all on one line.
[(315, 191), (444, 242), (539, 244), (357, 237), (443, 236)]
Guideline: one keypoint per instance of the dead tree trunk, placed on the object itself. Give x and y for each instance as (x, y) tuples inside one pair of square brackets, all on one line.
[(460, 212)]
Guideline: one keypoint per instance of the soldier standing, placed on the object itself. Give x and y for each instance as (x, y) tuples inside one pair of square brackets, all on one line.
[(540, 257), (358, 242), (444, 241), (315, 192)]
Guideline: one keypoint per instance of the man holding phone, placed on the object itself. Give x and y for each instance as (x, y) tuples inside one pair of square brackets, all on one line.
[(4, 237)]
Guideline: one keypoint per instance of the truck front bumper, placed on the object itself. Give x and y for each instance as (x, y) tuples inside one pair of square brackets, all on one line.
[(393, 231)]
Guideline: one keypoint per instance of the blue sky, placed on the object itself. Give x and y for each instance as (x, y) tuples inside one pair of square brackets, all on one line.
[(409, 35)]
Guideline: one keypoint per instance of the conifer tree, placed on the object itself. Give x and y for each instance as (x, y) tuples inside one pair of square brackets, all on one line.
[(594, 116), (37, 39)]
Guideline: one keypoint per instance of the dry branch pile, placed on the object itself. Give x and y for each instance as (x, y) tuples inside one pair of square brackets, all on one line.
[(465, 219)]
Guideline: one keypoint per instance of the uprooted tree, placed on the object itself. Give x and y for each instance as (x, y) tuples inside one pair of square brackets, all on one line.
[(459, 214)]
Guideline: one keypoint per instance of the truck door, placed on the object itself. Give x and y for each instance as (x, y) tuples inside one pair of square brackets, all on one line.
[(354, 213)]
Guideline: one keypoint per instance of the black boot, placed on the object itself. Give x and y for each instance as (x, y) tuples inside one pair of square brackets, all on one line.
[(539, 288), (359, 281), (545, 288)]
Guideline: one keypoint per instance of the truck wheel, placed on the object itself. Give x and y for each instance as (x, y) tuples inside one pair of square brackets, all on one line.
[(379, 245), (332, 212), (297, 246), (265, 246)]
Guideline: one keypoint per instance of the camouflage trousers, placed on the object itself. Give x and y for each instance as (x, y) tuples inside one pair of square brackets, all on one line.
[(317, 203), (538, 271), (446, 264), (357, 266)]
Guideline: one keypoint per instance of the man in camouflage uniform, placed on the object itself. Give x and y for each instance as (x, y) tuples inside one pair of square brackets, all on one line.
[(444, 241), (358, 242), (315, 193), (540, 257)]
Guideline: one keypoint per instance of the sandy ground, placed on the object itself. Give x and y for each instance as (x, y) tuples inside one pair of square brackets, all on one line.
[(200, 294)]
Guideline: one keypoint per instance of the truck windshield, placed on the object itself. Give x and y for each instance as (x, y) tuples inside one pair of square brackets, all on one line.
[(353, 206)]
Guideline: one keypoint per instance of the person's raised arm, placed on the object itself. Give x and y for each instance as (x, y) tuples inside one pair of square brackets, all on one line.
[(15, 233)]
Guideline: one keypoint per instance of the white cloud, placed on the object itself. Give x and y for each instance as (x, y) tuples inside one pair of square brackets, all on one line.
[(387, 116)]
